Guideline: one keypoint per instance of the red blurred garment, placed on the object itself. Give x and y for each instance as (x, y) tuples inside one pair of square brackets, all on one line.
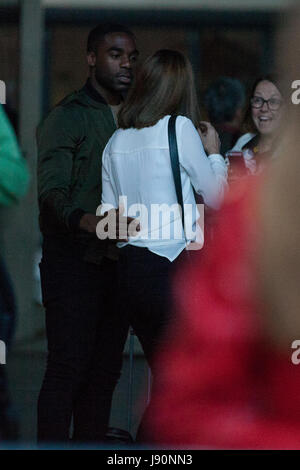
[(222, 383)]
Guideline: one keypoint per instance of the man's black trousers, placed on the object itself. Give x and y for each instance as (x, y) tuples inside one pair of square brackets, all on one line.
[(85, 345)]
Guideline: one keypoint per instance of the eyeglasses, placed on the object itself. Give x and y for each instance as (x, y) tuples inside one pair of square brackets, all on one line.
[(273, 103)]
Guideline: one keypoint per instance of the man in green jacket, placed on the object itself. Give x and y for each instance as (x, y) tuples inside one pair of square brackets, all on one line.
[(78, 271)]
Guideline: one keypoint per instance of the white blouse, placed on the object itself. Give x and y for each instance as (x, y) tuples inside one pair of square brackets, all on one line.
[(248, 156), (137, 174)]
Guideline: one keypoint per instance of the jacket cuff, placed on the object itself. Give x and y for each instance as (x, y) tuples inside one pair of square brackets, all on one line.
[(74, 219)]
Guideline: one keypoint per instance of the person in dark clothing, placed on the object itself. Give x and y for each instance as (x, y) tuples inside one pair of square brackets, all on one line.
[(8, 419), (14, 182), (224, 101), (78, 271)]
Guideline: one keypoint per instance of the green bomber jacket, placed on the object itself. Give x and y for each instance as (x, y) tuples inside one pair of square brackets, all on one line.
[(70, 143)]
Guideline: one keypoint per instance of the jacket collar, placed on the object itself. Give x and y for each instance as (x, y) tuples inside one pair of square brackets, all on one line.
[(93, 93)]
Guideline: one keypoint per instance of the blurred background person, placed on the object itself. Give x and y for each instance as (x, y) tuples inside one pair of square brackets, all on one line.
[(224, 101), (263, 119), (14, 179), (225, 383), (229, 379)]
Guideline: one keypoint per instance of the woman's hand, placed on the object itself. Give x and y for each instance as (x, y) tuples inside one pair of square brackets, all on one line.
[(210, 138), (112, 225)]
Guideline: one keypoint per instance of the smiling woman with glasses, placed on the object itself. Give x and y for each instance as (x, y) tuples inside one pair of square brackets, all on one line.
[(262, 123)]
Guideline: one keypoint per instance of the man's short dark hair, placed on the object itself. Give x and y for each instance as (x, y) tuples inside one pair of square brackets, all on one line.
[(223, 98), (97, 34)]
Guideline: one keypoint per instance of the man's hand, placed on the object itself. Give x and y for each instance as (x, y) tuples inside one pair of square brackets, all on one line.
[(88, 222), (112, 225)]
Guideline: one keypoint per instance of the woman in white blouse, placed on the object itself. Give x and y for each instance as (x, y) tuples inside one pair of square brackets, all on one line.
[(137, 174)]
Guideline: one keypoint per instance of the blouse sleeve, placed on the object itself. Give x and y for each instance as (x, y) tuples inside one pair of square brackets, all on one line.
[(109, 198), (208, 175)]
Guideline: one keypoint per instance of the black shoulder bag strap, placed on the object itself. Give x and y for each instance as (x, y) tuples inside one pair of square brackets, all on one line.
[(175, 164)]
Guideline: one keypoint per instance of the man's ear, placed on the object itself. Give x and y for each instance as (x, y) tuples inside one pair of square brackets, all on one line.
[(91, 59)]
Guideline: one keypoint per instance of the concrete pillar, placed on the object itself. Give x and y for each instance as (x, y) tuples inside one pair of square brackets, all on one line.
[(21, 237)]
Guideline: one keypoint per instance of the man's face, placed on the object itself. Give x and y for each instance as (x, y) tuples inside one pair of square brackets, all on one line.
[(115, 61)]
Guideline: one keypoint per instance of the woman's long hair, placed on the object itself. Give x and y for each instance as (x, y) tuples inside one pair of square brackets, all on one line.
[(164, 85)]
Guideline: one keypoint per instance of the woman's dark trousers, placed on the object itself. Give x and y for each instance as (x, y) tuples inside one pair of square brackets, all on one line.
[(146, 300)]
